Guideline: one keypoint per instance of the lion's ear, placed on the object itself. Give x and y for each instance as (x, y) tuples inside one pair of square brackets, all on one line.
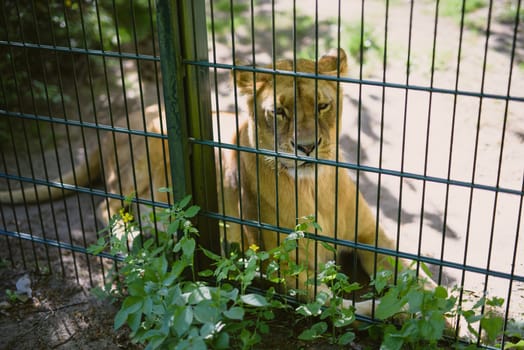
[(334, 62), (244, 79)]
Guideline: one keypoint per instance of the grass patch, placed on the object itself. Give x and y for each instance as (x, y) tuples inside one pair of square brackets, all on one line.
[(454, 8)]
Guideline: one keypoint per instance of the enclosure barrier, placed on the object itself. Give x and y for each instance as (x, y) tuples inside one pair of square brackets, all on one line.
[(432, 130)]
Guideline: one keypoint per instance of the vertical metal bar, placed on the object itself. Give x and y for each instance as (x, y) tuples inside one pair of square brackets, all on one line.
[(404, 127), (172, 80), (519, 216), (183, 36), (428, 133), (450, 154), (359, 135), (381, 138), (201, 125)]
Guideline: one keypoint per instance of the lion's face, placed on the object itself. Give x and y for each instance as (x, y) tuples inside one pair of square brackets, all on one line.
[(295, 116)]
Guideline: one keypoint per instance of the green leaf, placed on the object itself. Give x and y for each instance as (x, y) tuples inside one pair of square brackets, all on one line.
[(98, 247), (182, 320), (235, 313), (155, 342), (159, 265), (322, 298), (310, 309), (191, 211), (120, 319), (268, 314), (184, 202), (148, 305), (136, 288), (391, 342), (345, 318), (200, 294), (510, 345), (132, 304), (134, 321), (176, 269), (314, 332), (222, 341), (207, 330), (254, 300), (316, 226), (346, 338), (415, 299), (173, 226), (389, 305), (206, 273), (206, 312), (492, 325), (211, 255), (433, 328), (426, 269), (495, 301), (441, 292), (328, 247), (188, 246), (308, 334), (381, 280)]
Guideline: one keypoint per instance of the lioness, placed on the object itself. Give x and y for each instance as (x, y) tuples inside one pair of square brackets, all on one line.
[(297, 118)]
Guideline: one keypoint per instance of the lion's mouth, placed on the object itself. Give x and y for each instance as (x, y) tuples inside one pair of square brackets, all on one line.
[(298, 167)]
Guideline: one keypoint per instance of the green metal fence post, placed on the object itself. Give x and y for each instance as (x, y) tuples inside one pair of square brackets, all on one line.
[(183, 37), (172, 81)]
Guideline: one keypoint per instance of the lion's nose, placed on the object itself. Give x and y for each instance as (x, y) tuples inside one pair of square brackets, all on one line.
[(306, 148)]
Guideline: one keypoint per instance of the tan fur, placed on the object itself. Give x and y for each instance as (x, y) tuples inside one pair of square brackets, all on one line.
[(269, 189), (118, 170)]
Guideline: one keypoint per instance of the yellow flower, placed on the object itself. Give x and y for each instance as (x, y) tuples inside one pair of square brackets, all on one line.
[(126, 217), (254, 247), (68, 3)]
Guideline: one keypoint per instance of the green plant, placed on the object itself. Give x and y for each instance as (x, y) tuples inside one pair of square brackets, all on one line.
[(361, 42), (161, 306), (328, 304), (514, 335), (15, 297), (259, 309), (422, 312), (166, 304), (489, 321), (454, 8)]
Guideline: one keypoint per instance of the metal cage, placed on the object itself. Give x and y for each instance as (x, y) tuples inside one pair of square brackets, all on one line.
[(432, 131)]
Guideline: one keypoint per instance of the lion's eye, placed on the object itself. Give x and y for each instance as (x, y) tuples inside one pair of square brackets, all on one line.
[(280, 112), (322, 107)]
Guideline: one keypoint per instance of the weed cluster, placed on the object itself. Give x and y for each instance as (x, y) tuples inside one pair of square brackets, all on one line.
[(167, 304)]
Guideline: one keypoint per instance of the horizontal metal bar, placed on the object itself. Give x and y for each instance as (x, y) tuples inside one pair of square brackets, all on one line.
[(356, 81), (81, 124), (370, 248), (77, 50), (56, 244), (365, 168), (79, 189)]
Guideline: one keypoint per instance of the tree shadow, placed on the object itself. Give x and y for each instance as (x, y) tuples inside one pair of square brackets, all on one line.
[(387, 201)]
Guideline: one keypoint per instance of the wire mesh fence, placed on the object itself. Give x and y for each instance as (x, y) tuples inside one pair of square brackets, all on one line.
[(429, 132), (428, 125), (76, 80)]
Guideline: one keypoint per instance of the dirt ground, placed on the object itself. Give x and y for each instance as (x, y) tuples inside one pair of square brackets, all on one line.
[(468, 140), (60, 315)]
